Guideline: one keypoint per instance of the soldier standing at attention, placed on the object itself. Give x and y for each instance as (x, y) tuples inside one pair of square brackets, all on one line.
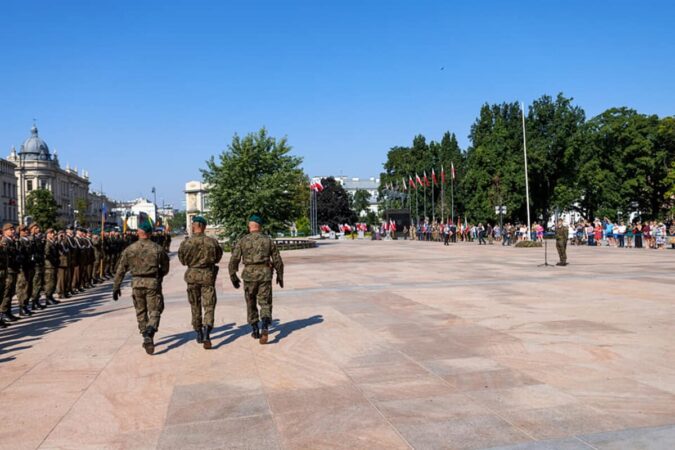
[(260, 255), (24, 281), (11, 248), (561, 235), (201, 254), (148, 264), (52, 263), (39, 271), (63, 274)]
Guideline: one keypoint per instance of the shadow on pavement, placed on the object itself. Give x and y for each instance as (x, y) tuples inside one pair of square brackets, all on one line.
[(53, 318), (176, 340), (285, 329)]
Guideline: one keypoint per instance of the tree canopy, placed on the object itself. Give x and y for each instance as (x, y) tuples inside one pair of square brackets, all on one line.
[(42, 208), (332, 205), (256, 174)]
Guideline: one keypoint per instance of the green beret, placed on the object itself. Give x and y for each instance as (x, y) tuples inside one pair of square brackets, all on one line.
[(199, 219), (145, 226), (256, 218)]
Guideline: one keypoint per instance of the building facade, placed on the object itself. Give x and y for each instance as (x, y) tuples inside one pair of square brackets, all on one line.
[(36, 168), (197, 203), (9, 208)]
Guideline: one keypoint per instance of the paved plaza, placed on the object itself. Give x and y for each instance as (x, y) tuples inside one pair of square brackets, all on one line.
[(378, 344)]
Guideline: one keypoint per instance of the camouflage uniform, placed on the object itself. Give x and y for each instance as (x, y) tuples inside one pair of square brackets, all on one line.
[(39, 271), (24, 281), (63, 274), (201, 254), (260, 255), (148, 264), (11, 248), (561, 236), (52, 264), (97, 243)]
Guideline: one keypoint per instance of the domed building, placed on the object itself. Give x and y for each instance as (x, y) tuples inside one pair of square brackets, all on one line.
[(36, 167)]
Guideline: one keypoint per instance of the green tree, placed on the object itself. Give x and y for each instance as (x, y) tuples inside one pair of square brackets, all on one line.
[(332, 205), (178, 221), (42, 207), (361, 201), (256, 174), (82, 206)]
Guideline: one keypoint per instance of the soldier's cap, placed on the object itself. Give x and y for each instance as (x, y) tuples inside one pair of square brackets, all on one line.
[(7, 226), (256, 218), (199, 219), (32, 225), (50, 230), (145, 227), (23, 228), (70, 227)]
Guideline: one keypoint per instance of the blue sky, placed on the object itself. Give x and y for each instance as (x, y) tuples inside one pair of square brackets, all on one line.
[(141, 93)]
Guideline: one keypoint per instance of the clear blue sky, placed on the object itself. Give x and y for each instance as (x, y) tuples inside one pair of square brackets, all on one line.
[(141, 93)]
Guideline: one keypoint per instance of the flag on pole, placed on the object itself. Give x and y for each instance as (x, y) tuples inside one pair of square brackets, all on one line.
[(452, 170), (411, 183), (419, 180), (426, 179), (442, 175), (433, 177), (405, 188), (316, 185)]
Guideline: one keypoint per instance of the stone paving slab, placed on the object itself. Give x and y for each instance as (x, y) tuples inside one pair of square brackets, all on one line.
[(389, 344)]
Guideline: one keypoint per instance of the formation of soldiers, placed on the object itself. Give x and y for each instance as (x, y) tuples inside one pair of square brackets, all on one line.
[(38, 267)]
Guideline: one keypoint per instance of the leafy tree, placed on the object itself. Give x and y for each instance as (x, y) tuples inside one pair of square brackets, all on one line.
[(256, 174), (332, 205), (178, 221), (361, 201), (42, 207)]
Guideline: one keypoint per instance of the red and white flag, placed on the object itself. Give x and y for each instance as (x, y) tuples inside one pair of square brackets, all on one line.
[(419, 180), (452, 170), (442, 175), (433, 177), (411, 183), (426, 179), (316, 185)]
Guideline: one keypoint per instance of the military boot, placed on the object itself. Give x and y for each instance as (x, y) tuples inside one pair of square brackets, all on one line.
[(200, 336), (35, 304), (207, 336), (255, 331), (52, 301), (9, 317), (3, 324), (24, 311), (264, 333), (148, 343)]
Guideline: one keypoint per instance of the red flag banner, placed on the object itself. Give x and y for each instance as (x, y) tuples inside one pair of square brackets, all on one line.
[(433, 177), (442, 175), (419, 180), (411, 182)]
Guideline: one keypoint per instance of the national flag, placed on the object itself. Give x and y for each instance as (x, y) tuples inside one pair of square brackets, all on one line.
[(405, 188), (426, 179), (452, 170), (442, 175), (419, 180), (433, 177), (316, 185), (411, 182)]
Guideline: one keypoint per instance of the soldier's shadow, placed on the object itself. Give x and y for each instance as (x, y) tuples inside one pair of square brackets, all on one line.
[(284, 329), (176, 340)]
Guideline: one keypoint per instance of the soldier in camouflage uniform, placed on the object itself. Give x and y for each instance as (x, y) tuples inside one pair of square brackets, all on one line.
[(97, 243), (148, 264), (63, 274), (260, 255), (561, 236), (4, 260), (24, 281), (11, 249), (201, 254), (52, 260), (39, 271)]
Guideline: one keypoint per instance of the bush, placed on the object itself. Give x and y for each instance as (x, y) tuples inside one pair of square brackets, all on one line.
[(528, 244)]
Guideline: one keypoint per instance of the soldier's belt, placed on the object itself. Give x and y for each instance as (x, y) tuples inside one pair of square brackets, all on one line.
[(257, 264), (144, 276)]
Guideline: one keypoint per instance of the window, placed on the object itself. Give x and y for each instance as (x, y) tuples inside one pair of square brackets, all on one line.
[(29, 185), (43, 184)]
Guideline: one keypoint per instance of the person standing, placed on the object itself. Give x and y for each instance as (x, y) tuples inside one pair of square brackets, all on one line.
[(63, 274), (148, 264), (260, 256), (39, 262), (561, 235), (51, 260), (24, 281), (201, 254), (11, 248)]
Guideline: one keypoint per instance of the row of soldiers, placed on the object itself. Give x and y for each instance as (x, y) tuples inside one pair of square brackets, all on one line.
[(64, 262)]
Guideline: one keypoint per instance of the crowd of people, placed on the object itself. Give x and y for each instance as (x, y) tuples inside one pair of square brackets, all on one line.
[(649, 234), (36, 264)]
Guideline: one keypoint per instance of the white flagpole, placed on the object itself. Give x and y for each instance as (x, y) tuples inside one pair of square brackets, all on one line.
[(527, 185)]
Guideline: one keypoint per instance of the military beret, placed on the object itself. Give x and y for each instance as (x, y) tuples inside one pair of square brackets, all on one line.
[(23, 228), (32, 225), (50, 230), (256, 218), (7, 226), (199, 219), (145, 226)]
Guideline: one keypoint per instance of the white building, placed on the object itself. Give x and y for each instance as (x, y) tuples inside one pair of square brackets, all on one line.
[(352, 184), (8, 210), (197, 203), (36, 168)]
